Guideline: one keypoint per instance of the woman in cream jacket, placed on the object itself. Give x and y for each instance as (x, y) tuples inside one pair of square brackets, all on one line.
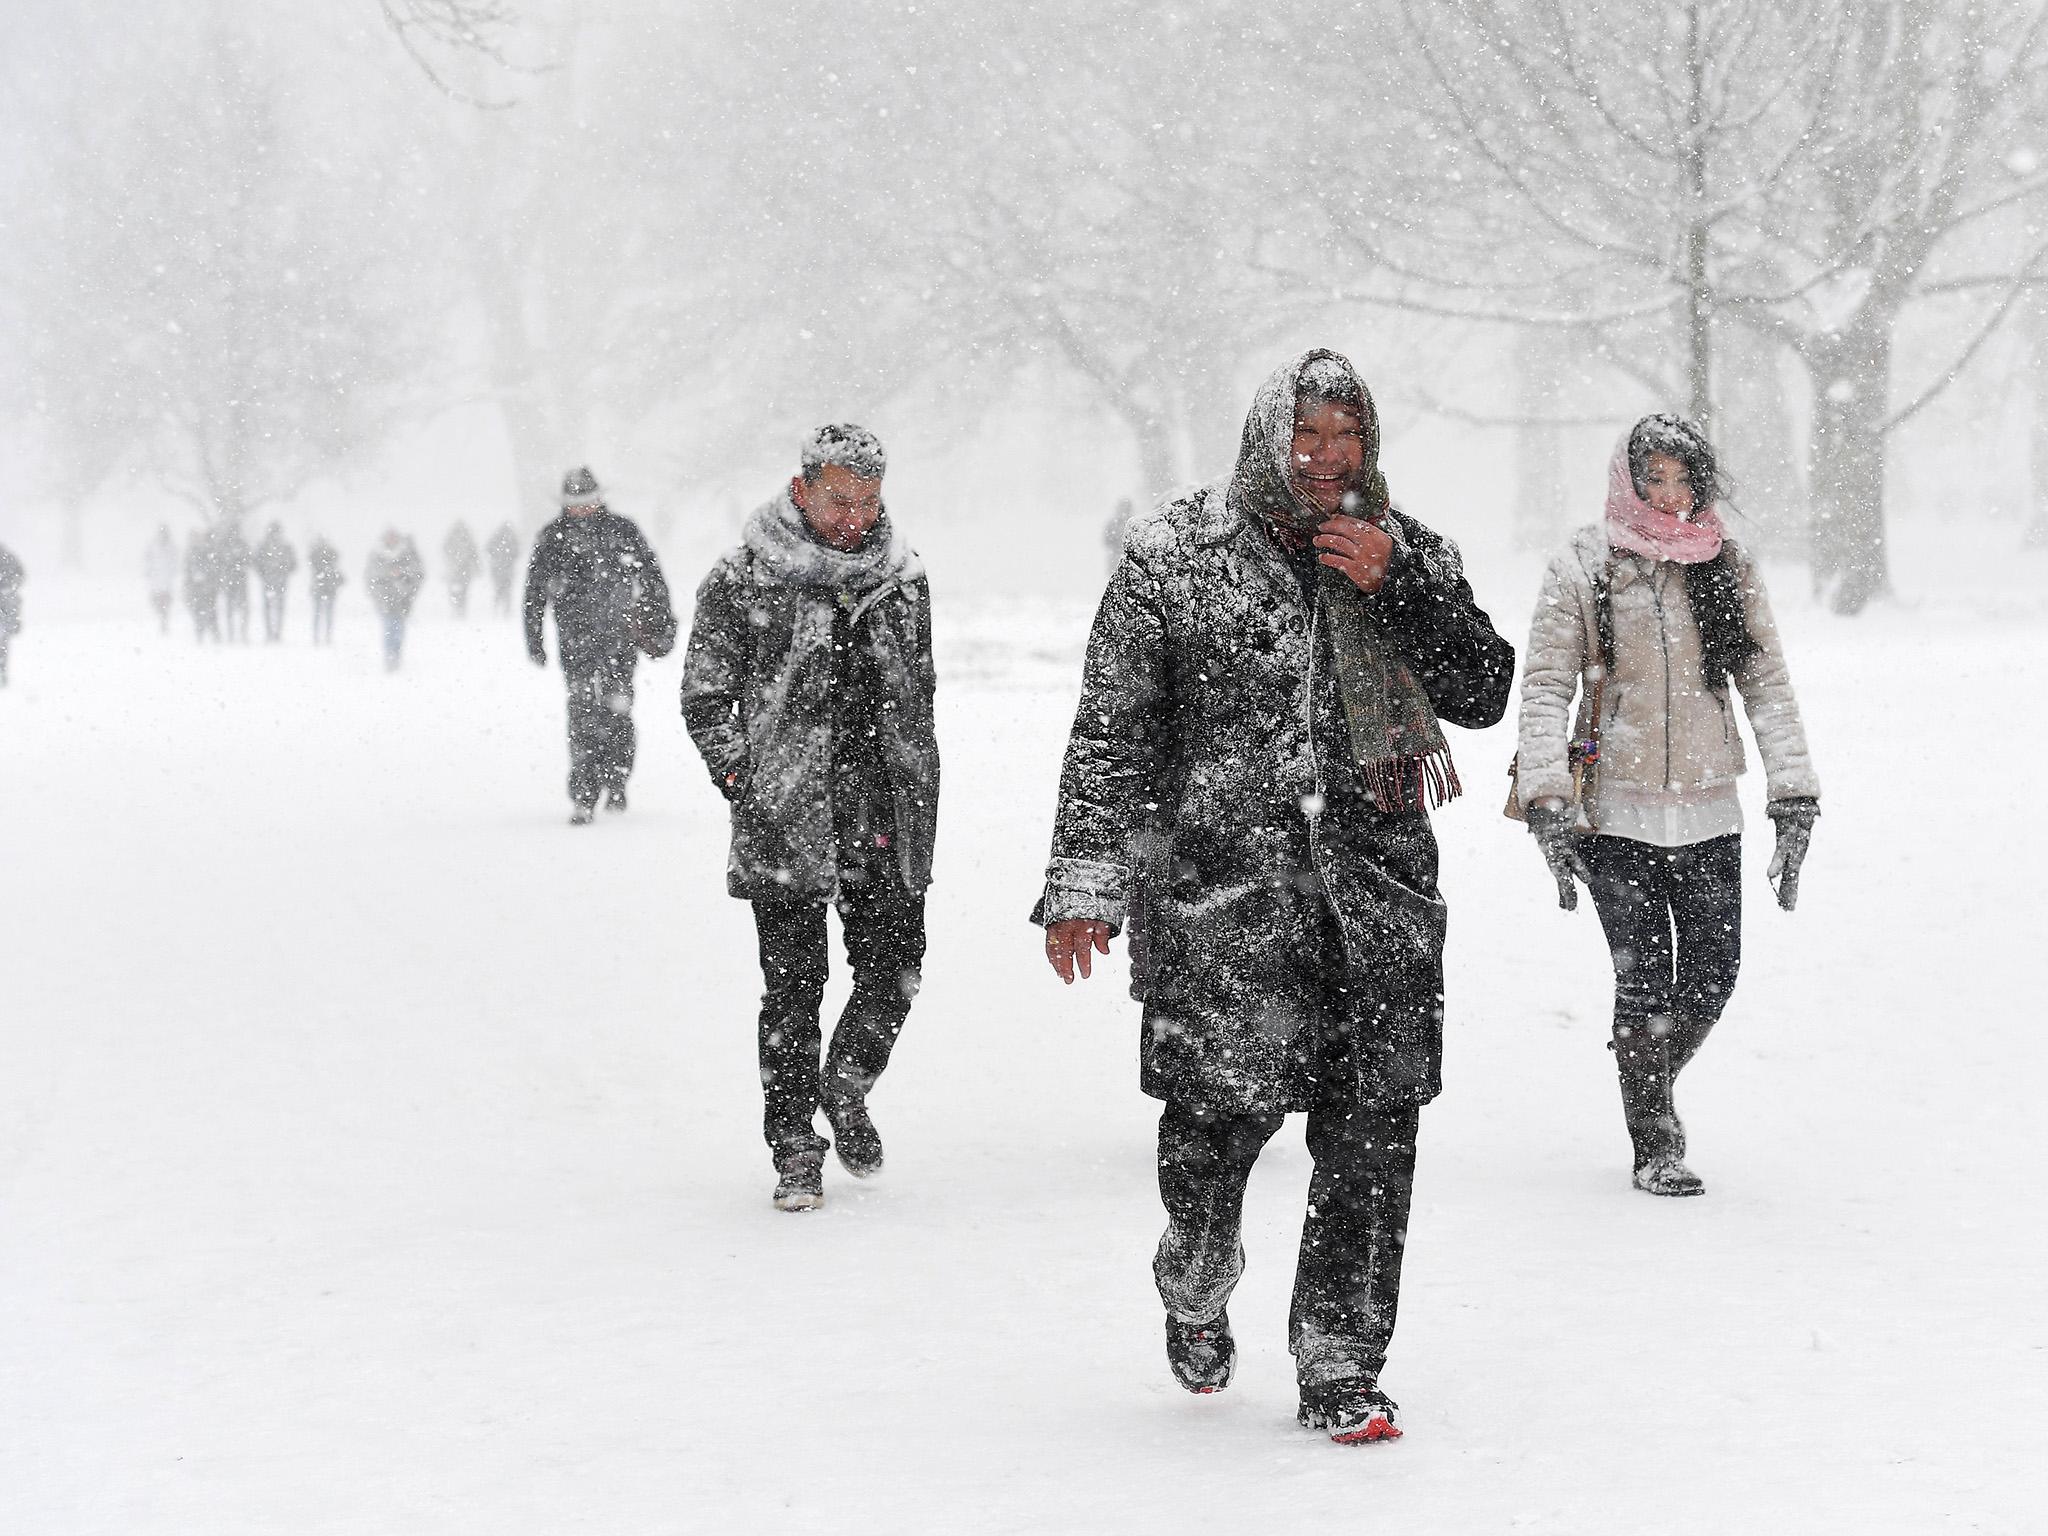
[(1663, 619)]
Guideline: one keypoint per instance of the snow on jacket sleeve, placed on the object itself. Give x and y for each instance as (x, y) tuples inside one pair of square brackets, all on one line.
[(538, 574), (715, 677), (1765, 683), (655, 616), (1559, 644), (1109, 784), (1427, 607)]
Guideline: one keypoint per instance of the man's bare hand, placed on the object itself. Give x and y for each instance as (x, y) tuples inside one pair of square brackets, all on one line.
[(1357, 548), (1075, 943)]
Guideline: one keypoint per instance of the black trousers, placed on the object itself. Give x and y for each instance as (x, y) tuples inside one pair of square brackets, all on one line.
[(1673, 919), (1347, 1280), (601, 740), (323, 618), (273, 613), (883, 927)]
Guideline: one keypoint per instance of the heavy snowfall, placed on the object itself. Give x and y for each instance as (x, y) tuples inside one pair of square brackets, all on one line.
[(381, 1144)]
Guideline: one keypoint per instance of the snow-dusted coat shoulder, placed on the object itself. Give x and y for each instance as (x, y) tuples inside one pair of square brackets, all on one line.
[(1208, 797), (1661, 727)]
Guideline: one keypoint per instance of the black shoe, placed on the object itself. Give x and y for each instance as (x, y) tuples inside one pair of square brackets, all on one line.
[(800, 1181), (1354, 1411), (579, 815), (1202, 1354), (615, 799), (854, 1137), (1667, 1176)]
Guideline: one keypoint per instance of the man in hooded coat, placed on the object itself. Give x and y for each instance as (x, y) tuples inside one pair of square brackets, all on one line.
[(611, 603), (1246, 788), (808, 690), (275, 560)]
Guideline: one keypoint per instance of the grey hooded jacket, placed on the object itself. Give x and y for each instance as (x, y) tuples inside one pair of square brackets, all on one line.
[(757, 696)]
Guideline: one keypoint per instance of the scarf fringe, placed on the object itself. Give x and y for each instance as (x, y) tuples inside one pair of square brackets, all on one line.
[(1427, 782)]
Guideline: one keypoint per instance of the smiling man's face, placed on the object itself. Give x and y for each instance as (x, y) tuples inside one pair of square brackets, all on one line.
[(1328, 451)]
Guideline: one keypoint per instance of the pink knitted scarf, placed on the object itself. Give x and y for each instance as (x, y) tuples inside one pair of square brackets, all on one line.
[(1633, 526)]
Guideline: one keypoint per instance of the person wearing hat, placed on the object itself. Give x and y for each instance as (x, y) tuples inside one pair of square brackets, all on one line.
[(808, 690), (611, 602)]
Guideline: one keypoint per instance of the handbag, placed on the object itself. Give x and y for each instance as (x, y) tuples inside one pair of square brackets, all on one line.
[(1584, 756)]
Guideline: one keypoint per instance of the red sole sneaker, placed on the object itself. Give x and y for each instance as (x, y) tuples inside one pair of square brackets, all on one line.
[(1375, 1428)]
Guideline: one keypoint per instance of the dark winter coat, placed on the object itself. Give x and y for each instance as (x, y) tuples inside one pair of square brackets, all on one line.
[(1285, 930), (275, 561), (11, 578), (760, 685), (323, 562), (394, 578), (609, 595)]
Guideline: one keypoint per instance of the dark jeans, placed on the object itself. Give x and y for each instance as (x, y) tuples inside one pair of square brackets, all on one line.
[(394, 639), (323, 618), (884, 932), (273, 613), (601, 740), (1347, 1280), (1673, 918)]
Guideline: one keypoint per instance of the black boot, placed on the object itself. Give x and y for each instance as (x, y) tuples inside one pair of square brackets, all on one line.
[(854, 1136), (800, 1181), (1642, 1062), (1202, 1355)]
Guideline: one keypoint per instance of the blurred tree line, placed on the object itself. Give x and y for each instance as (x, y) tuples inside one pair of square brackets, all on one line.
[(241, 254)]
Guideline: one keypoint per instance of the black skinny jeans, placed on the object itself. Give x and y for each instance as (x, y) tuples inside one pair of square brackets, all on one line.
[(1347, 1280), (1673, 919), (883, 927)]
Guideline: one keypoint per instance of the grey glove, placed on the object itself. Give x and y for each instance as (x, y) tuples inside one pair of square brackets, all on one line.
[(1556, 830), (1794, 820)]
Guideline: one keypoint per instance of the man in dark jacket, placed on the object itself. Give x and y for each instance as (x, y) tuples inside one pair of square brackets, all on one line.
[(323, 576), (275, 561), (1246, 786), (11, 578), (231, 562), (502, 551), (808, 689), (610, 603), (393, 577)]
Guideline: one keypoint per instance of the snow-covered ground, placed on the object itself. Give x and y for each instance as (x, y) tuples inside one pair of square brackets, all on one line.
[(380, 1155)]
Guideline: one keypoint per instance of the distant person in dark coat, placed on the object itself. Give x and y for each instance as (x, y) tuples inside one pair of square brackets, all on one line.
[(231, 564), (598, 572), (1247, 784), (202, 585), (502, 551), (394, 578), (323, 575), (458, 567), (808, 690), (275, 560), (11, 578), (1113, 532), (160, 571)]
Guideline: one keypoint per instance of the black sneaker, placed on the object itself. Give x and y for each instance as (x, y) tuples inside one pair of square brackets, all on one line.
[(579, 815), (800, 1182), (615, 799), (1354, 1411), (1202, 1354), (854, 1137)]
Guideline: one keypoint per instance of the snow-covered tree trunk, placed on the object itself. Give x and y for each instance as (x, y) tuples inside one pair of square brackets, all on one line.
[(1851, 374)]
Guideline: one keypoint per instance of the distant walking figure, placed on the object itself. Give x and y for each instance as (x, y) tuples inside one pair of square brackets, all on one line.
[(503, 554), (598, 572), (160, 571), (458, 567), (275, 560), (1657, 612), (393, 579), (323, 575), (11, 578)]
